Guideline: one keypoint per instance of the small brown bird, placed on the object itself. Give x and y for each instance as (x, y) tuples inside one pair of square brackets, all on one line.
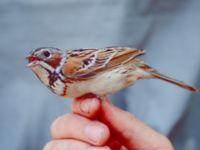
[(104, 71)]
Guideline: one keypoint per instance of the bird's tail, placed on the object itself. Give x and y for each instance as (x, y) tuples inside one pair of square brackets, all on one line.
[(174, 81), (155, 74)]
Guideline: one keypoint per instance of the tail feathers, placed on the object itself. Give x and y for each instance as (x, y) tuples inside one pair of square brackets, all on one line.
[(155, 74), (173, 81)]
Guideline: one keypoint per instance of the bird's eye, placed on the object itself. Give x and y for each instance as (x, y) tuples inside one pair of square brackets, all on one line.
[(46, 54)]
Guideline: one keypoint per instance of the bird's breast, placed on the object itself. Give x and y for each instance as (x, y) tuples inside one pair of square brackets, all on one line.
[(103, 84), (56, 84)]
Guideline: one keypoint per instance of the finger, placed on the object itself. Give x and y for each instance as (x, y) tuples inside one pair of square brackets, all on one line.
[(71, 145), (115, 145), (73, 126), (113, 142), (87, 106), (131, 132)]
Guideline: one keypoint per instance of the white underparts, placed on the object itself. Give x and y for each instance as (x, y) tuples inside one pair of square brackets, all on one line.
[(102, 84)]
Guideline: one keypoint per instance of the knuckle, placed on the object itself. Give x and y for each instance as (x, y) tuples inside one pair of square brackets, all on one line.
[(61, 124)]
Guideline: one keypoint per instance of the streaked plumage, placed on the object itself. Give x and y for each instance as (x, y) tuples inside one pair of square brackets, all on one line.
[(74, 73)]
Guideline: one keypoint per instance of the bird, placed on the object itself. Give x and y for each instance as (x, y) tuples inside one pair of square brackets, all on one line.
[(101, 71)]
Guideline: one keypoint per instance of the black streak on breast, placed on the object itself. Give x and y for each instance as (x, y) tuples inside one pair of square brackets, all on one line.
[(52, 78)]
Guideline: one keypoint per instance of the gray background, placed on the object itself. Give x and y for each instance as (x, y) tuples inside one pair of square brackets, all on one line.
[(168, 30)]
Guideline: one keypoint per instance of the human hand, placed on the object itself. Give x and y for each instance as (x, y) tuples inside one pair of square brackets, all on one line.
[(114, 129)]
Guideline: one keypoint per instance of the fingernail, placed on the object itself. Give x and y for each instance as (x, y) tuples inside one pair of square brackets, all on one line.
[(95, 132), (87, 104)]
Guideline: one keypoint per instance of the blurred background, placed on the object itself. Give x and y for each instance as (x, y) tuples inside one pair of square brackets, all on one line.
[(167, 29)]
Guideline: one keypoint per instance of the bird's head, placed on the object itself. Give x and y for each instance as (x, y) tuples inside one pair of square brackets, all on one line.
[(46, 57), (45, 62)]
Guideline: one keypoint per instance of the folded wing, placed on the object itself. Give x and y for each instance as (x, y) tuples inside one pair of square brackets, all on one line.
[(86, 63)]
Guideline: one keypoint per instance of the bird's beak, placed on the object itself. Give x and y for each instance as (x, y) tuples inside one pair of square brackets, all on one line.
[(32, 61)]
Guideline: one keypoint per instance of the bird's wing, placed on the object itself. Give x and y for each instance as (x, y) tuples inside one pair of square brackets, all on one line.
[(86, 63)]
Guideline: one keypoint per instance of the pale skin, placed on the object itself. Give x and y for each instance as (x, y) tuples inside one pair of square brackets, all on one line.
[(99, 125)]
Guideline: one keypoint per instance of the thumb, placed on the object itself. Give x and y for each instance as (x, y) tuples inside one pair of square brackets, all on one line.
[(130, 131)]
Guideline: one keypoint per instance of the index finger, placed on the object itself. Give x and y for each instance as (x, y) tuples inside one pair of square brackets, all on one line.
[(87, 106)]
